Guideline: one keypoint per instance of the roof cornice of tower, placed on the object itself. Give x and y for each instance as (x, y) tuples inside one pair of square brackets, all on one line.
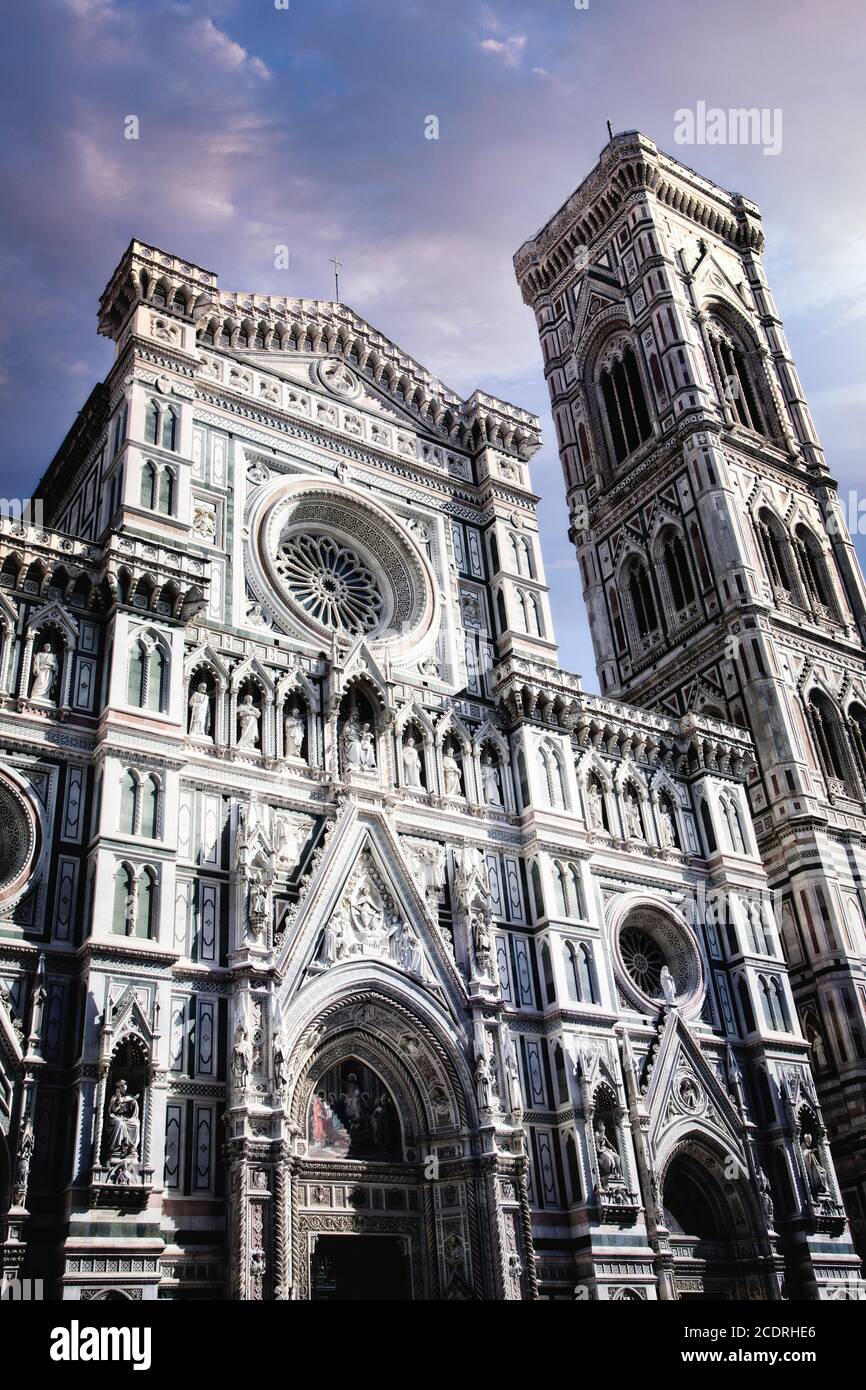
[(147, 274), (629, 164)]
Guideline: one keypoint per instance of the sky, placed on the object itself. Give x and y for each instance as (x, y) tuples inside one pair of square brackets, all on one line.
[(265, 123)]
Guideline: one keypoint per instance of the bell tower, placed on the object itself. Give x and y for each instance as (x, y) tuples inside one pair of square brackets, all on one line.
[(717, 568)]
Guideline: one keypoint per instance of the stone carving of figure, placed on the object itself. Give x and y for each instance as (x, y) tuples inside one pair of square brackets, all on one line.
[(512, 1073), (766, 1197), (816, 1173), (352, 745), (333, 943), (124, 1134), (410, 953), (411, 764), (22, 1169), (45, 673), (482, 1082), (338, 377), (451, 772), (368, 749), (241, 1058), (490, 781), (667, 828), (633, 827), (609, 1161), (481, 941), (248, 723), (281, 1068), (199, 716), (595, 804), (296, 728), (668, 984)]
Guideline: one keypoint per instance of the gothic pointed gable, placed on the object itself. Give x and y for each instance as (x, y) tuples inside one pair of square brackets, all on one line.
[(685, 1095), (366, 904)]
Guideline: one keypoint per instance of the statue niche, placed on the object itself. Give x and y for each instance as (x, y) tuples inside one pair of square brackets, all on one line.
[(357, 734), (352, 1115), (124, 1114), (201, 702)]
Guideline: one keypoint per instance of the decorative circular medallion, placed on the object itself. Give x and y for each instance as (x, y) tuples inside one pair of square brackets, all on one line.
[(336, 377), (323, 559), (19, 839), (657, 959)]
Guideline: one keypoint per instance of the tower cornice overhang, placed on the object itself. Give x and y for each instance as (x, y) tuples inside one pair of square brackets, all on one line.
[(631, 166)]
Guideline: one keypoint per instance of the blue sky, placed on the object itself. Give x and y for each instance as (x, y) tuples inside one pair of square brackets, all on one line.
[(305, 126)]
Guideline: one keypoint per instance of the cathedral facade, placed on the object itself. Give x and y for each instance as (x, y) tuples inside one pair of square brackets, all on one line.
[(348, 947)]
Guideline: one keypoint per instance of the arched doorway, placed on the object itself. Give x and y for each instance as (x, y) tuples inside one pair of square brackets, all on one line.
[(715, 1249), (389, 1199)]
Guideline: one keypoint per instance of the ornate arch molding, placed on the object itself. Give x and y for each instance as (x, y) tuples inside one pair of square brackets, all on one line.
[(733, 1201), (413, 1046), (22, 838)]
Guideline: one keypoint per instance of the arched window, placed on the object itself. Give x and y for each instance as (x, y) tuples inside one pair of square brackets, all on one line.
[(537, 894), (735, 377), (733, 826), (128, 802), (145, 903), (813, 567), (560, 893), (123, 916), (151, 422), (677, 570), (547, 974), (775, 1009), (625, 406), (533, 613), (776, 548), (857, 731), (161, 425), (639, 589), (709, 833), (147, 683), (746, 1010), (576, 893), (165, 495), (136, 675), (148, 493), (561, 1078), (588, 991), (169, 428), (149, 819), (573, 1170), (824, 724), (554, 778)]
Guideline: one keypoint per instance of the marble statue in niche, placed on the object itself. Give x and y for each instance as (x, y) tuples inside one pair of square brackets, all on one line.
[(248, 723), (490, 781), (199, 712), (296, 729), (451, 773), (411, 764), (45, 665)]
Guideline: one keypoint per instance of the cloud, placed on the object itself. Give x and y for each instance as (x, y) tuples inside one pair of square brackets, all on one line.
[(510, 50)]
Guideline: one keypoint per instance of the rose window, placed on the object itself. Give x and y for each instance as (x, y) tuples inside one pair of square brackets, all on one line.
[(648, 942), (19, 840), (331, 582), (323, 559), (643, 959)]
